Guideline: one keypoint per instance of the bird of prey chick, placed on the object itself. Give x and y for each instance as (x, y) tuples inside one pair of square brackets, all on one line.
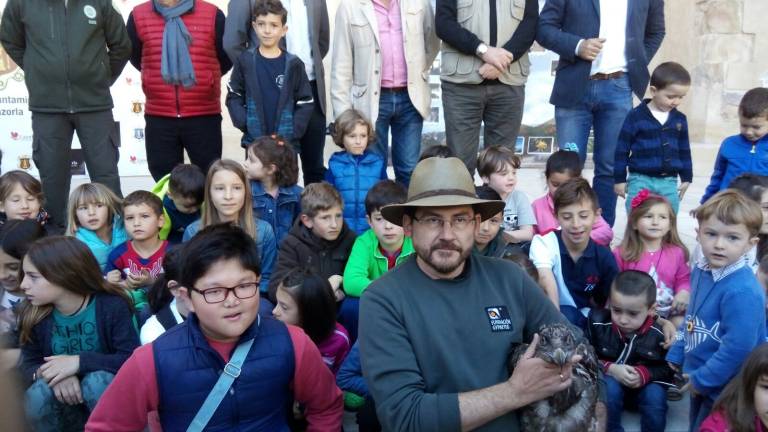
[(573, 409)]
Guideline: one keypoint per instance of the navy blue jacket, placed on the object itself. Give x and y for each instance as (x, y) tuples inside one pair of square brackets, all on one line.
[(353, 176), (653, 149), (279, 212), (187, 368), (117, 335), (246, 104), (563, 23)]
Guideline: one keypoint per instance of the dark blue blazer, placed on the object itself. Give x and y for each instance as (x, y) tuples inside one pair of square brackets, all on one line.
[(562, 23)]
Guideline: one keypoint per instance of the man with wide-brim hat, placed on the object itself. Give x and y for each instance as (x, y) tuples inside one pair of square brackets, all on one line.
[(435, 332)]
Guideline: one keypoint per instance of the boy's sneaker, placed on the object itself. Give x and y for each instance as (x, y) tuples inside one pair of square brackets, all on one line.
[(674, 394)]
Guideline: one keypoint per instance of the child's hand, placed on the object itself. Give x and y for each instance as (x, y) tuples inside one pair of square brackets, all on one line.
[(675, 367), (670, 331), (689, 386), (681, 189), (68, 391), (59, 367), (335, 282), (624, 374), (620, 189), (115, 276), (134, 280), (680, 302)]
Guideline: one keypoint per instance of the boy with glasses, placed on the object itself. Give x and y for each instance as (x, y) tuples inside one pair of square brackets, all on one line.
[(173, 375)]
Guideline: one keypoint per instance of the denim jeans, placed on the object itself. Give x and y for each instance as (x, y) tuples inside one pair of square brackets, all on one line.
[(398, 113), (651, 401), (46, 413), (349, 315), (700, 409), (605, 105)]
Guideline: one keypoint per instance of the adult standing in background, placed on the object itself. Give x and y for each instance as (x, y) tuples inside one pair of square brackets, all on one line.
[(308, 38), (604, 49), (71, 53), (382, 54), (177, 46), (484, 68)]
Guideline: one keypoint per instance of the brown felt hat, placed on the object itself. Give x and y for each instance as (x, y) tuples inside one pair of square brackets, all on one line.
[(441, 182)]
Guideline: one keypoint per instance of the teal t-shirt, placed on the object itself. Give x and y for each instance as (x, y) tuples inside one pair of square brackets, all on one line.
[(73, 334)]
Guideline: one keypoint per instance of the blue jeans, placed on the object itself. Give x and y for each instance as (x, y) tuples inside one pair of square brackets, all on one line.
[(397, 112), (700, 409), (349, 315), (46, 413), (605, 105), (651, 401)]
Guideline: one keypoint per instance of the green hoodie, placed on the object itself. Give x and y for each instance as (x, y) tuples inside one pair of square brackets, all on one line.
[(161, 189), (366, 262), (70, 54)]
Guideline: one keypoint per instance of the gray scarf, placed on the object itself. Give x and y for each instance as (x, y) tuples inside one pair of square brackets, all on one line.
[(176, 64)]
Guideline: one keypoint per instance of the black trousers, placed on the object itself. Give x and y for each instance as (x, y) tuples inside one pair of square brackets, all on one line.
[(51, 151), (168, 137), (312, 143)]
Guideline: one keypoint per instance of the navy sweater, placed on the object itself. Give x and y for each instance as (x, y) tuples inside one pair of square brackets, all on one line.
[(650, 148), (117, 334)]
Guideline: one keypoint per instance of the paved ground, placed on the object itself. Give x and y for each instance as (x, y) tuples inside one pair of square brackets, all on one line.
[(531, 181)]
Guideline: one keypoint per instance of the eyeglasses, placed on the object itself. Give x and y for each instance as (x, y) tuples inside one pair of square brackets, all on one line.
[(435, 223), (219, 294)]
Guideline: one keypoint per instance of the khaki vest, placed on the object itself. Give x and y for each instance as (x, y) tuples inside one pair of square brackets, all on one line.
[(473, 15)]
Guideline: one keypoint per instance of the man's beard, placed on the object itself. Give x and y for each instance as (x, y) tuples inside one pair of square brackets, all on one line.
[(443, 266)]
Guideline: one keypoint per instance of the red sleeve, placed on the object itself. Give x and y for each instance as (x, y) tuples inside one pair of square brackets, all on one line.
[(645, 374), (130, 398), (315, 386)]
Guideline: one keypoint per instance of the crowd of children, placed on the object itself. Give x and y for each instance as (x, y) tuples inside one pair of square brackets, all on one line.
[(241, 273)]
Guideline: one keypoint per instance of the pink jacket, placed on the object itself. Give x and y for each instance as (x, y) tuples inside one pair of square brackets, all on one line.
[(716, 422), (544, 210)]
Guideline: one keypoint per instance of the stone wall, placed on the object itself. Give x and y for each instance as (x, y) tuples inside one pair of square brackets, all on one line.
[(724, 43)]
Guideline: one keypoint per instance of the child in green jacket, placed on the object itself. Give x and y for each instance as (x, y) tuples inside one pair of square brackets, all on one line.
[(375, 252)]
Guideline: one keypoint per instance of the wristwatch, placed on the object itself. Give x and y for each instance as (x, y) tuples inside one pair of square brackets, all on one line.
[(481, 49)]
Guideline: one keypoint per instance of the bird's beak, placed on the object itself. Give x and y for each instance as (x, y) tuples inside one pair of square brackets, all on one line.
[(560, 357)]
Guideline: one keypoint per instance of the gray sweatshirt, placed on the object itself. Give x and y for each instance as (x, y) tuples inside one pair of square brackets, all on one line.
[(423, 341)]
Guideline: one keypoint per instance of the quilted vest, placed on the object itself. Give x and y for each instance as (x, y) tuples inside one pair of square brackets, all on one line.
[(460, 68), (187, 369), (167, 100), (353, 178)]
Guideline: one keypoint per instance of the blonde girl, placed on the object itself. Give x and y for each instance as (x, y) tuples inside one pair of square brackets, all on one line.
[(21, 197), (94, 218), (652, 245), (228, 200)]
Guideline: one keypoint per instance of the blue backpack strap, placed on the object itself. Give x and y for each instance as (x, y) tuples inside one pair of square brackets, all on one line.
[(227, 377)]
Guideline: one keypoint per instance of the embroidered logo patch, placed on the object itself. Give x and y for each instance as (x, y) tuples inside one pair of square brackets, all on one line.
[(498, 318), (89, 11)]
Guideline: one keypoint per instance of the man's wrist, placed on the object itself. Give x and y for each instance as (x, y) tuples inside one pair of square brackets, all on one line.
[(481, 49), (514, 400), (577, 46)]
